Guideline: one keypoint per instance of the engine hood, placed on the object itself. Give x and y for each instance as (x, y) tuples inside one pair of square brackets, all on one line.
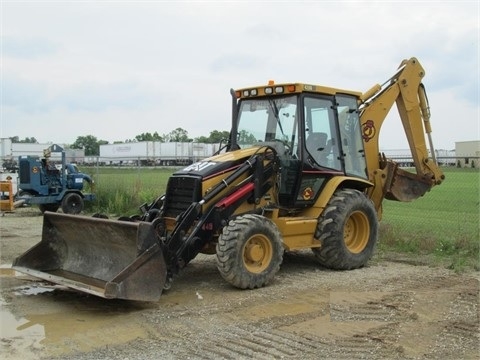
[(218, 163)]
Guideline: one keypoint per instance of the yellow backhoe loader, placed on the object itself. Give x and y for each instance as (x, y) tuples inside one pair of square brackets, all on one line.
[(301, 170)]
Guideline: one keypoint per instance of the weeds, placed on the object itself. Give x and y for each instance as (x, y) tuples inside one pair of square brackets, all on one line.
[(458, 253)]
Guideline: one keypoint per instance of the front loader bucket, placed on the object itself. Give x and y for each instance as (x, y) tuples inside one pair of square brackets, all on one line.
[(106, 258)]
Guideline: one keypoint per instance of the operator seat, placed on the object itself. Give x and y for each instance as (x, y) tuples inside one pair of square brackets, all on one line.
[(318, 147)]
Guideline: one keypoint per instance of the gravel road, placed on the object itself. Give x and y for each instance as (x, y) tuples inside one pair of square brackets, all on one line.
[(395, 308)]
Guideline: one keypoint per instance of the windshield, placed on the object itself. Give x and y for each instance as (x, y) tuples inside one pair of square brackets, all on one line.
[(268, 120)]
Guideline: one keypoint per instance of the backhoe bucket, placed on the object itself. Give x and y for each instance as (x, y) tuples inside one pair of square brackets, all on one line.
[(406, 186), (106, 258)]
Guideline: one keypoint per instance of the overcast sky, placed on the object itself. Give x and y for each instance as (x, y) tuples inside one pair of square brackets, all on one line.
[(116, 69)]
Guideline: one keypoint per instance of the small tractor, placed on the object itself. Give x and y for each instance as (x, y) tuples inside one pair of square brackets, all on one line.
[(41, 183), (301, 170)]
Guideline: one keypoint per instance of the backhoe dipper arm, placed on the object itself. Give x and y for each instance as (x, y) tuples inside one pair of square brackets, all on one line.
[(406, 90)]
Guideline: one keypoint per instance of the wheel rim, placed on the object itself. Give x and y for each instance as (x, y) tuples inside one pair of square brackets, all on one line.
[(257, 253), (72, 204), (356, 232)]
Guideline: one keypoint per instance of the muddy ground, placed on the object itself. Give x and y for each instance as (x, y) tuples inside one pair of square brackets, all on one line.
[(395, 308)]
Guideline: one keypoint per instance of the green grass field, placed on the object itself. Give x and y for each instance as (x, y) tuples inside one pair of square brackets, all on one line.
[(121, 191), (444, 222), (453, 206)]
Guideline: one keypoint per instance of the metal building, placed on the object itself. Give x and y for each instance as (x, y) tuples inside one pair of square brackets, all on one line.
[(468, 153)]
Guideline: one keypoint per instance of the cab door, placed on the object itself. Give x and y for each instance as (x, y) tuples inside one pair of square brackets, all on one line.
[(321, 158), (351, 145)]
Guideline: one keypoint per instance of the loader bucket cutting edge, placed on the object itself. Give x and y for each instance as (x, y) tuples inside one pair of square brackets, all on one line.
[(106, 258)]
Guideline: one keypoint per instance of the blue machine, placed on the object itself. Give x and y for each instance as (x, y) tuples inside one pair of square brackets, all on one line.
[(40, 182)]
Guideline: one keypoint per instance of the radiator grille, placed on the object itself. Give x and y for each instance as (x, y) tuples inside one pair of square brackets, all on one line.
[(24, 172), (181, 192)]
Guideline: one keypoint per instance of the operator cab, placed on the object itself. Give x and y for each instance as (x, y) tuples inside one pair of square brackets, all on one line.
[(316, 135)]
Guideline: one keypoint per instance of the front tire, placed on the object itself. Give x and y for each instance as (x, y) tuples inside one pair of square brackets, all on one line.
[(348, 231), (72, 203), (249, 251)]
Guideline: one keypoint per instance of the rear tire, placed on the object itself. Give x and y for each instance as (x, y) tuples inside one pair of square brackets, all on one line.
[(348, 231), (48, 207), (249, 251), (72, 203)]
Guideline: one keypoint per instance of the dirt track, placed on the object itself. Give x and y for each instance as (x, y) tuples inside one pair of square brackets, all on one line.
[(388, 310)]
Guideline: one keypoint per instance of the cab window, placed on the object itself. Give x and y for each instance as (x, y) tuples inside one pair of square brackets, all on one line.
[(269, 121), (320, 132), (351, 137)]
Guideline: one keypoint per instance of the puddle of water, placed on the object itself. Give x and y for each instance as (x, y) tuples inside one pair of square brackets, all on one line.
[(20, 338), (304, 303), (6, 270), (280, 309), (35, 322), (323, 326), (33, 289)]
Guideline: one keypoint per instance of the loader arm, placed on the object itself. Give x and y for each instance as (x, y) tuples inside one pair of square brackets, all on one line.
[(406, 90), (221, 202)]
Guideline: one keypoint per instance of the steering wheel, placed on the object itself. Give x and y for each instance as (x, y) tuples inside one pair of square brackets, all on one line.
[(288, 149)]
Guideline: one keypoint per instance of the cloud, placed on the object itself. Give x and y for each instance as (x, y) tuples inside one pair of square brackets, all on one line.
[(24, 95), (37, 97), (234, 62), (28, 48), (453, 62), (97, 97), (122, 68)]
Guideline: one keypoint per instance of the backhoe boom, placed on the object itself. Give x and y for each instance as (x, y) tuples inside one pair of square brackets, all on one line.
[(406, 90)]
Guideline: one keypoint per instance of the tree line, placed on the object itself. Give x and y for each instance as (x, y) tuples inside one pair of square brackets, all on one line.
[(91, 144)]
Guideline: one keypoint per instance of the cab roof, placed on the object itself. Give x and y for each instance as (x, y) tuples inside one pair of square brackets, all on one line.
[(290, 88)]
